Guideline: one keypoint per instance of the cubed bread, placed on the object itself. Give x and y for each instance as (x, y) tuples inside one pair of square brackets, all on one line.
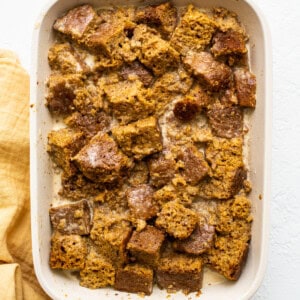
[(62, 57), (67, 251), (194, 166), (136, 70), (162, 17), (201, 240), (155, 53), (145, 245), (228, 43), (183, 194), (98, 271), (111, 232), (101, 160), (228, 256), (134, 279), (78, 187), (77, 22), (234, 217), (193, 103), (90, 124), (227, 166), (62, 145), (213, 74), (140, 202), (179, 272), (139, 174), (62, 92), (177, 220), (245, 84), (128, 101), (194, 31), (223, 187), (167, 87), (226, 122), (140, 138), (89, 99), (162, 170), (72, 218), (106, 37)]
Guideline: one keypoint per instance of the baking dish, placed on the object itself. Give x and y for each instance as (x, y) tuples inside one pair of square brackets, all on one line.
[(60, 285)]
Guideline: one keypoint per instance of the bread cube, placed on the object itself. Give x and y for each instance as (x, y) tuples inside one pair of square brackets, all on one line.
[(128, 101), (134, 279), (228, 256), (195, 166), (136, 70), (139, 174), (77, 187), (63, 58), (140, 202), (62, 92), (228, 43), (67, 252), (155, 53), (140, 138), (89, 124), (176, 220), (226, 122), (245, 83), (201, 239), (145, 245), (98, 271), (111, 232), (234, 217), (162, 170), (106, 37), (228, 172), (162, 17), (167, 87), (180, 272), (71, 218), (101, 160), (62, 145), (213, 74), (77, 22), (194, 31)]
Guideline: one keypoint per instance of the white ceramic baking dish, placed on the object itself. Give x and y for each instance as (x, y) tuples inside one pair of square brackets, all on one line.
[(61, 286)]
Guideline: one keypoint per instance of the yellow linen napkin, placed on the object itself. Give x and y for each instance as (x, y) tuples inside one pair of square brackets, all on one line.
[(18, 280)]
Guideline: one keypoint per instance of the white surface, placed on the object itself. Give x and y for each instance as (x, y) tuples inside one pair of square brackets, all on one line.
[(283, 273)]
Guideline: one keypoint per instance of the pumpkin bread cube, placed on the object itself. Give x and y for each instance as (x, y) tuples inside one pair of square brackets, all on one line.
[(179, 272), (134, 279), (111, 232), (101, 160), (77, 22), (67, 251), (71, 218), (140, 138), (176, 220), (98, 271), (145, 245), (154, 52), (245, 83), (213, 74), (62, 145), (140, 202), (194, 31)]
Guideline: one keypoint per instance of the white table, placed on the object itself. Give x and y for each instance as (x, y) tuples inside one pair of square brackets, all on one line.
[(282, 280)]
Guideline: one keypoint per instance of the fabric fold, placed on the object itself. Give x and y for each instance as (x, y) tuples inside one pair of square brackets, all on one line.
[(18, 280)]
